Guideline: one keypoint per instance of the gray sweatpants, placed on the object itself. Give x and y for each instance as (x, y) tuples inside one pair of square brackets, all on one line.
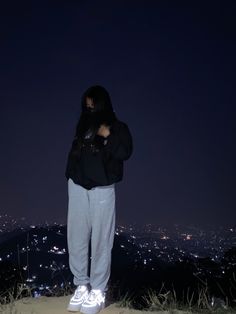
[(91, 216)]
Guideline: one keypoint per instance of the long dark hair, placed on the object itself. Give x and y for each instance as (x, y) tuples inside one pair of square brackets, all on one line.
[(90, 121)]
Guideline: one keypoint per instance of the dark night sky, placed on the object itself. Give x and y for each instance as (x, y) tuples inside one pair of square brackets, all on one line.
[(169, 68)]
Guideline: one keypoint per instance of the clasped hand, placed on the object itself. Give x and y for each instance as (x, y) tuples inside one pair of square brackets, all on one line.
[(103, 130)]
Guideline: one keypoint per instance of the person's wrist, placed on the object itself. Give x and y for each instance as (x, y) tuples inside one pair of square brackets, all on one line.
[(108, 134)]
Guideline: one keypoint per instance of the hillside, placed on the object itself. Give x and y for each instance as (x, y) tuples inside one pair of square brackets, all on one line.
[(57, 305)]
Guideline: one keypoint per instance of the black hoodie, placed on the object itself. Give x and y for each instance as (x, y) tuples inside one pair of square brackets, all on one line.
[(100, 161)]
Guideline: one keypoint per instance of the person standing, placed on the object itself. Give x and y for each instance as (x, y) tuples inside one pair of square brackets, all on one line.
[(95, 164)]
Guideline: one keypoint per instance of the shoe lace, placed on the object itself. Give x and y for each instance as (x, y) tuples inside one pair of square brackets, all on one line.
[(78, 291), (96, 295)]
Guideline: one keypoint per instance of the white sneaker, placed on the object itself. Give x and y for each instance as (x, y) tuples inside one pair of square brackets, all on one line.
[(94, 303), (79, 296)]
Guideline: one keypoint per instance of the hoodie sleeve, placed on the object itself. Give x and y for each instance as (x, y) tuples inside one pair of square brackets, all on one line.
[(119, 143)]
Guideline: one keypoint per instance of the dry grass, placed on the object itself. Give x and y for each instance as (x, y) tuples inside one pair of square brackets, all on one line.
[(167, 301), (155, 300)]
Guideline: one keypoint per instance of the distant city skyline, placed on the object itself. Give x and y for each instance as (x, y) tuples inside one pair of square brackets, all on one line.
[(169, 69), (150, 254), (161, 244), (9, 223)]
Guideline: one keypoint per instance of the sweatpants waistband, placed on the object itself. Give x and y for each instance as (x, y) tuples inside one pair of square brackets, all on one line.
[(103, 186)]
